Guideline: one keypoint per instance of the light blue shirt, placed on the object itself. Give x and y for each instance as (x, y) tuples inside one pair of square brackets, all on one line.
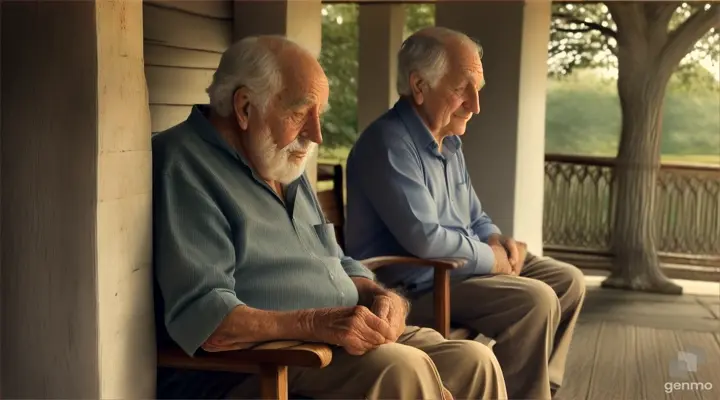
[(223, 237), (405, 197)]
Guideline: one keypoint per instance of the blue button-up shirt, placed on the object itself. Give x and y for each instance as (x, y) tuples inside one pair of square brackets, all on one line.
[(406, 197)]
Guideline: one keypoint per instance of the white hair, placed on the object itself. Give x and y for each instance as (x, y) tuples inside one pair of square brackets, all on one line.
[(424, 52), (250, 63)]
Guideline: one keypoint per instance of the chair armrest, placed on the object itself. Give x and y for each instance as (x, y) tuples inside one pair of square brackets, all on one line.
[(441, 285), (311, 355), (438, 263)]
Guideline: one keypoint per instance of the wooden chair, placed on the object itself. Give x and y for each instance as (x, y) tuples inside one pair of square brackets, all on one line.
[(271, 360), (333, 204), (271, 363)]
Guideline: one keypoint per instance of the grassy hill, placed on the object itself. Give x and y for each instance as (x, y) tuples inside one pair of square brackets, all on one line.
[(583, 117)]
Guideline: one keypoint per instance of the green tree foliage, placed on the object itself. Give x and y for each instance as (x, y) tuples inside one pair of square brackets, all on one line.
[(418, 16), (690, 123), (339, 58), (582, 36), (582, 39)]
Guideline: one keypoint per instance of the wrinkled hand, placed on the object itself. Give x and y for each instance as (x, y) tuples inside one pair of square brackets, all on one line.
[(515, 251), (502, 264), (393, 309), (356, 329), (522, 254)]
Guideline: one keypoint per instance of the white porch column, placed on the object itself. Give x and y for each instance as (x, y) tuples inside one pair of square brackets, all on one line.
[(76, 204), (380, 35), (300, 21), (505, 145)]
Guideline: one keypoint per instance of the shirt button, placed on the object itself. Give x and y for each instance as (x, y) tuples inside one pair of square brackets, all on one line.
[(332, 277), (342, 294)]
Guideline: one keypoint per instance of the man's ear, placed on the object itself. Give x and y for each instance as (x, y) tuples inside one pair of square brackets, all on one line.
[(241, 107), (417, 85)]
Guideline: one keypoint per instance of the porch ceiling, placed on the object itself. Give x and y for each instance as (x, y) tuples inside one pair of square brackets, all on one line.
[(435, 1)]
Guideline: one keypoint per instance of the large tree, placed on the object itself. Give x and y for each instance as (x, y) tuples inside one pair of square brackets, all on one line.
[(646, 41)]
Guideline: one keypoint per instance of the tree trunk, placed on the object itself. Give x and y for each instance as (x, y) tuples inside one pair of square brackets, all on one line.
[(641, 87)]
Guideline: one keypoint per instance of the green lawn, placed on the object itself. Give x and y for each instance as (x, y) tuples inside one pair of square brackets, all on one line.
[(339, 156), (693, 158)]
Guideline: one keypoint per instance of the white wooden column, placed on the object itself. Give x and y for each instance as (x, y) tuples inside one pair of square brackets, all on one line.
[(381, 34), (124, 205), (76, 204), (505, 145), (300, 21)]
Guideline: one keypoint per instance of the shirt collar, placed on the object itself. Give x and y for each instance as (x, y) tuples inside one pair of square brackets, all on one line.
[(420, 133), (201, 124), (199, 121)]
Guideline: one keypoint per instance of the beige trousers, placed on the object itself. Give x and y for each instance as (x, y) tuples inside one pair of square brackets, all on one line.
[(531, 317), (416, 367)]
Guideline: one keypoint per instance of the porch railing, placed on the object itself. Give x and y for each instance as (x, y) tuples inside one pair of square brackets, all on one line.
[(579, 208)]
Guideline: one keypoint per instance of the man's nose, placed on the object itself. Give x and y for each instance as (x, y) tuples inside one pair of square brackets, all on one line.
[(313, 131), (473, 102)]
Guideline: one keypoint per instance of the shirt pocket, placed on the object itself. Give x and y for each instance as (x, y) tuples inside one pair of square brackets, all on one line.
[(328, 241), (461, 200)]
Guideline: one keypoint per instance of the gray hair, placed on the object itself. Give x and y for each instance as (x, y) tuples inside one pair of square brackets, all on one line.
[(249, 62), (424, 52)]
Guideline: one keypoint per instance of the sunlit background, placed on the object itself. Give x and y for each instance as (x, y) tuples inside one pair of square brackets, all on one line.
[(582, 74)]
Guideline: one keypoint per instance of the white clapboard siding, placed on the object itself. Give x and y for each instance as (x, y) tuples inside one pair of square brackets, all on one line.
[(164, 116), (184, 41), (179, 86), (222, 9), (164, 56), (178, 28)]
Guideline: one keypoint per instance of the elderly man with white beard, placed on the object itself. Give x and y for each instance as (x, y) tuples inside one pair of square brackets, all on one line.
[(244, 255)]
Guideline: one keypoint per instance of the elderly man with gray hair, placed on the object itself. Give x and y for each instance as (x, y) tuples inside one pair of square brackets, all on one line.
[(244, 255), (409, 193)]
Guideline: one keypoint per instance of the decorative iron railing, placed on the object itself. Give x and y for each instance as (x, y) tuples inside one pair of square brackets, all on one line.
[(579, 207)]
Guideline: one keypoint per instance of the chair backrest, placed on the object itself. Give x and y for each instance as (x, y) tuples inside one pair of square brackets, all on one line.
[(332, 201)]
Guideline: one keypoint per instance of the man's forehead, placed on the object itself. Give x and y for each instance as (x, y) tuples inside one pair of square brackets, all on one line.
[(468, 70), (465, 57), (306, 100), (468, 59), (304, 79)]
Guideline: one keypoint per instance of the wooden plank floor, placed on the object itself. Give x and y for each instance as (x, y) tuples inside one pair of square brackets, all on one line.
[(626, 347)]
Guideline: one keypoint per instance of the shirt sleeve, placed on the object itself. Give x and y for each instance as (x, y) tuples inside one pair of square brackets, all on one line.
[(481, 223), (393, 182), (194, 259), (355, 268)]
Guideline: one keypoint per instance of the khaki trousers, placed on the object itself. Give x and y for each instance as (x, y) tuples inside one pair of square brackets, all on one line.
[(416, 367), (531, 317)]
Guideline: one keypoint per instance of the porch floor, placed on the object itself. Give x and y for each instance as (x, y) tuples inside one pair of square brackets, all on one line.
[(625, 345)]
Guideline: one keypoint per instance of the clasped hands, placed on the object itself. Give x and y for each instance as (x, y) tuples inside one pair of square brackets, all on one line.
[(509, 255), (360, 329)]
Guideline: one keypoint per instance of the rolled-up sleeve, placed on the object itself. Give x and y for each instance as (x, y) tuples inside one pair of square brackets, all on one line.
[(354, 268), (394, 184), (194, 259)]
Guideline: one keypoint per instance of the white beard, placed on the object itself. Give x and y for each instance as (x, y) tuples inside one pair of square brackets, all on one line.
[(276, 164)]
